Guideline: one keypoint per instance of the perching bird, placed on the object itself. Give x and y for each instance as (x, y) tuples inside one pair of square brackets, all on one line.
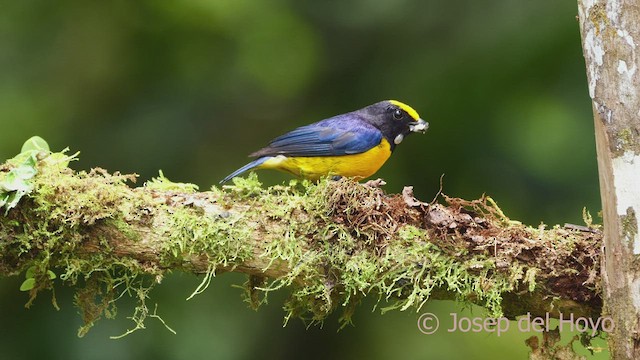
[(354, 144)]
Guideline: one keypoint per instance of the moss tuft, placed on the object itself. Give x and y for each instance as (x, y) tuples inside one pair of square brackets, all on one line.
[(161, 183)]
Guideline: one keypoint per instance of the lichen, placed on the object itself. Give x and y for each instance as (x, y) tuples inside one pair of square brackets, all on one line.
[(598, 17)]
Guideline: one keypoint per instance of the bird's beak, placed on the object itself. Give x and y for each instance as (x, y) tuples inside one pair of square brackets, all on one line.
[(419, 126)]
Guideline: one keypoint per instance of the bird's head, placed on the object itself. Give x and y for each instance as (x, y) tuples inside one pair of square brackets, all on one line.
[(394, 119)]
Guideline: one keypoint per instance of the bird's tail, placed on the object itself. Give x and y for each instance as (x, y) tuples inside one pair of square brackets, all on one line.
[(249, 166)]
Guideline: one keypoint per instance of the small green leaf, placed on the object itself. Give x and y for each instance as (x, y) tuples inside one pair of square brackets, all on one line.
[(28, 284), (13, 199), (14, 182), (31, 271), (35, 143), (11, 182), (51, 274), (25, 171), (17, 183), (31, 160)]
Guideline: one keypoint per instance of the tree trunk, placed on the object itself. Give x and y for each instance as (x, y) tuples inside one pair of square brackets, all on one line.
[(610, 32)]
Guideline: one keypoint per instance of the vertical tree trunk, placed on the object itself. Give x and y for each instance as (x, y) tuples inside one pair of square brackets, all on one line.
[(610, 31)]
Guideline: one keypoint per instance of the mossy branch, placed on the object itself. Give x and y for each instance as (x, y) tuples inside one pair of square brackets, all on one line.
[(329, 243)]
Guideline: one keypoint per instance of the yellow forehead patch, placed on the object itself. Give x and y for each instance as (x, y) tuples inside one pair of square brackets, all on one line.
[(408, 109)]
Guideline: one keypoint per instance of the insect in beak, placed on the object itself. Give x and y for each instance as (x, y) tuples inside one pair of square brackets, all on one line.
[(418, 126)]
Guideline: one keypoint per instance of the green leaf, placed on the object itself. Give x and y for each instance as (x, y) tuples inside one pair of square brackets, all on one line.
[(51, 274), (16, 183), (61, 159), (28, 284), (31, 271), (35, 143), (31, 160), (13, 181), (13, 200), (25, 171)]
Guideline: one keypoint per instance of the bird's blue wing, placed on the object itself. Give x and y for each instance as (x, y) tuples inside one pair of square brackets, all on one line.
[(336, 136)]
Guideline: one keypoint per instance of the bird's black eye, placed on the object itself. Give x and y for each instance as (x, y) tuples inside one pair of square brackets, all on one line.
[(397, 114)]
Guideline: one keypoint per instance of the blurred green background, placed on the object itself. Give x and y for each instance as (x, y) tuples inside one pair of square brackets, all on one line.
[(192, 87)]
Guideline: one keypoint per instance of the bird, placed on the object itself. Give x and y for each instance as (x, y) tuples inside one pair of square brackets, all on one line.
[(355, 144)]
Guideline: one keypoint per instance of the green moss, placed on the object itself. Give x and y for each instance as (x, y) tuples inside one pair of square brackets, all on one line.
[(124, 228), (340, 263), (629, 226), (161, 183), (530, 278), (245, 187), (338, 243), (626, 138), (192, 233), (48, 229)]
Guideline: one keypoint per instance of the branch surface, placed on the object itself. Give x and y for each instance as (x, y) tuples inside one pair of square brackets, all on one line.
[(330, 244)]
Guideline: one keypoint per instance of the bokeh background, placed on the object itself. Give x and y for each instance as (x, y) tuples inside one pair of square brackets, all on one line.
[(192, 87)]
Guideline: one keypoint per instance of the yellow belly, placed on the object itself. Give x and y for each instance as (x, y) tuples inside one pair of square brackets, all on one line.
[(358, 166)]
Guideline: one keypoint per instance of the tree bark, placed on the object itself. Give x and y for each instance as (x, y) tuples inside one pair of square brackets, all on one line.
[(610, 32)]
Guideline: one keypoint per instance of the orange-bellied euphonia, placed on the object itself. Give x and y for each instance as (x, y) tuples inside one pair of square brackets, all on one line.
[(354, 144)]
